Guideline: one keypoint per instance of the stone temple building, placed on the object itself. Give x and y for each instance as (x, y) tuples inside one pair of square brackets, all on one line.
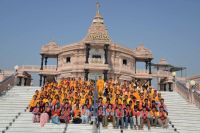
[(95, 55)]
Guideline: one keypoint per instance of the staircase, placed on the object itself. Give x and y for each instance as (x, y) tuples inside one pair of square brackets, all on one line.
[(14, 118), (13, 103), (184, 116)]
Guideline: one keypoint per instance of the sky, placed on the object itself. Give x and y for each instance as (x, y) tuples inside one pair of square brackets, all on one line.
[(170, 28)]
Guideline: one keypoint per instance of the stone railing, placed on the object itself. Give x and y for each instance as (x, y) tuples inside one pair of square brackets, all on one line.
[(154, 73), (192, 96), (124, 69), (142, 71), (197, 98), (160, 73), (182, 90), (50, 67), (7, 83), (96, 61), (36, 68), (7, 72), (29, 68)]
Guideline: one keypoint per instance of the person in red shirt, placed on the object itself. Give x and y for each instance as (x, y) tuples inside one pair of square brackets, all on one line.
[(65, 115), (77, 115), (163, 119), (119, 114), (56, 114), (136, 117), (128, 116), (144, 117), (108, 116), (100, 113), (36, 113)]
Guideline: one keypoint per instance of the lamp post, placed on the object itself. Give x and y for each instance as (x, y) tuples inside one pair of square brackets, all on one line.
[(174, 79), (16, 68), (174, 74), (192, 90), (16, 71)]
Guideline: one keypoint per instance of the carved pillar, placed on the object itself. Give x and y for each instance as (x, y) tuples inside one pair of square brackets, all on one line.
[(45, 61), (150, 82), (165, 87), (20, 81), (170, 87), (86, 74), (106, 53), (105, 73), (87, 52), (40, 79), (44, 80), (57, 62), (135, 66), (25, 80), (146, 65), (150, 67), (42, 60)]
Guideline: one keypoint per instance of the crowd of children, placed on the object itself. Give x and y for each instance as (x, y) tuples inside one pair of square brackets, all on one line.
[(123, 104)]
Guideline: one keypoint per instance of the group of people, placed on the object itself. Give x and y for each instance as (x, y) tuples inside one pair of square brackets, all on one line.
[(124, 104)]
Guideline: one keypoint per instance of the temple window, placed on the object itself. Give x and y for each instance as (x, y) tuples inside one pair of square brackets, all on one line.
[(68, 59), (124, 62), (96, 56)]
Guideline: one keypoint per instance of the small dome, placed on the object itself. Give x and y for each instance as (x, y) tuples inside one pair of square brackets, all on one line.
[(51, 46), (143, 52), (163, 62)]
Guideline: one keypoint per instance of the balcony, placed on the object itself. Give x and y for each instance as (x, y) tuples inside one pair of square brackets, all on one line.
[(49, 69), (96, 60)]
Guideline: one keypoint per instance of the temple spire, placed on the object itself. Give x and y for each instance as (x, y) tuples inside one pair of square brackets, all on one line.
[(97, 32)]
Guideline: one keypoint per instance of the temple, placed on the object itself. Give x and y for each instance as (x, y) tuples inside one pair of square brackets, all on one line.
[(96, 55)]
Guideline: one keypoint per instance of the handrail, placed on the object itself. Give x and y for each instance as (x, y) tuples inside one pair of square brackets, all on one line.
[(7, 83), (190, 95), (196, 98), (182, 90), (182, 85)]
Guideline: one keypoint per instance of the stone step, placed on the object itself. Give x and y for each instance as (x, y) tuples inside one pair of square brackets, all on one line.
[(24, 129), (17, 99), (183, 115)]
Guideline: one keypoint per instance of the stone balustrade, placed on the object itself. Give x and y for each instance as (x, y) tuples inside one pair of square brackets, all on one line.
[(35, 68), (182, 90), (31, 68), (160, 73), (96, 61), (50, 67), (142, 71), (192, 96), (5, 73)]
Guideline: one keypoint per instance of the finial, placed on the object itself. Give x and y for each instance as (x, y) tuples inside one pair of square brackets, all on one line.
[(98, 6)]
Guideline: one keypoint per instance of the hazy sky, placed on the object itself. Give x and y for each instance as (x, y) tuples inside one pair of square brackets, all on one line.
[(170, 28)]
